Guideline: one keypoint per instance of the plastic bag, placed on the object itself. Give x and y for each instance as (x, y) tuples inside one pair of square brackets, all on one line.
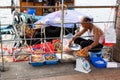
[(110, 36)]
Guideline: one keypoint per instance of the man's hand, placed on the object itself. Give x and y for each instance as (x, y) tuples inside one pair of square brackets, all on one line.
[(85, 50), (70, 42), (82, 53)]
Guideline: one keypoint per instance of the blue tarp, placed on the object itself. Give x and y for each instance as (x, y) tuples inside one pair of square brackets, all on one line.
[(55, 18)]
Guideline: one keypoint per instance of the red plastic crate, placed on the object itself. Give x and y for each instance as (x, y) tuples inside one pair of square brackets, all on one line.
[(47, 47), (21, 55), (20, 60)]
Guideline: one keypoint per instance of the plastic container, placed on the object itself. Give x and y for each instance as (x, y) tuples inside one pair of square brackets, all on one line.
[(21, 54), (38, 51), (35, 64), (21, 57), (47, 47), (96, 54), (32, 11), (51, 61), (98, 62)]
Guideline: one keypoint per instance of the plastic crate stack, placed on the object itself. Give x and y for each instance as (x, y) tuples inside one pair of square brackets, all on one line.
[(43, 59)]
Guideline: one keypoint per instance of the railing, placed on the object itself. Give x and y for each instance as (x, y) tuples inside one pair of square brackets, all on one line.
[(92, 7)]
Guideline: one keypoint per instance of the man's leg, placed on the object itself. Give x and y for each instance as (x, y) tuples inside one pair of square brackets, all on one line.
[(94, 49), (79, 40)]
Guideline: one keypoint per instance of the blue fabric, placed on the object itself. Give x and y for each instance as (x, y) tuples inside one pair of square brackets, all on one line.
[(34, 16), (6, 28), (38, 17)]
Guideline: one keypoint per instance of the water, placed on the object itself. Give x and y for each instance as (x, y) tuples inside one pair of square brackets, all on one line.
[(98, 14)]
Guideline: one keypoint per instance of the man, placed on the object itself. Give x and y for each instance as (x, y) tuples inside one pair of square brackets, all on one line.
[(96, 34)]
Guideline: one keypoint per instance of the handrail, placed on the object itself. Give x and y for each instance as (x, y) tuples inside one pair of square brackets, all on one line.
[(58, 6)]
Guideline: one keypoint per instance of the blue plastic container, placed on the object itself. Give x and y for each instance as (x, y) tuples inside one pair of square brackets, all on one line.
[(37, 48), (32, 11), (49, 62), (35, 64), (40, 52), (98, 62), (96, 54)]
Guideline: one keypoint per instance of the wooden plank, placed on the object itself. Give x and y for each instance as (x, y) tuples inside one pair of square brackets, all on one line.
[(117, 45), (116, 54), (38, 10), (118, 33), (25, 4)]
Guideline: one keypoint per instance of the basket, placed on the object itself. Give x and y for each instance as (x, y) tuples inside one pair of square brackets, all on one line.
[(98, 62), (21, 54), (54, 61), (35, 64), (38, 51), (21, 57)]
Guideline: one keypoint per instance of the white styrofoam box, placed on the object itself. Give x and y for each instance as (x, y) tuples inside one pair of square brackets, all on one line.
[(112, 65)]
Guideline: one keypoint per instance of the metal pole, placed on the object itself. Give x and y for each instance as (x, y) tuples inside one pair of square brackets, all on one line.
[(17, 35), (62, 25), (2, 67)]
